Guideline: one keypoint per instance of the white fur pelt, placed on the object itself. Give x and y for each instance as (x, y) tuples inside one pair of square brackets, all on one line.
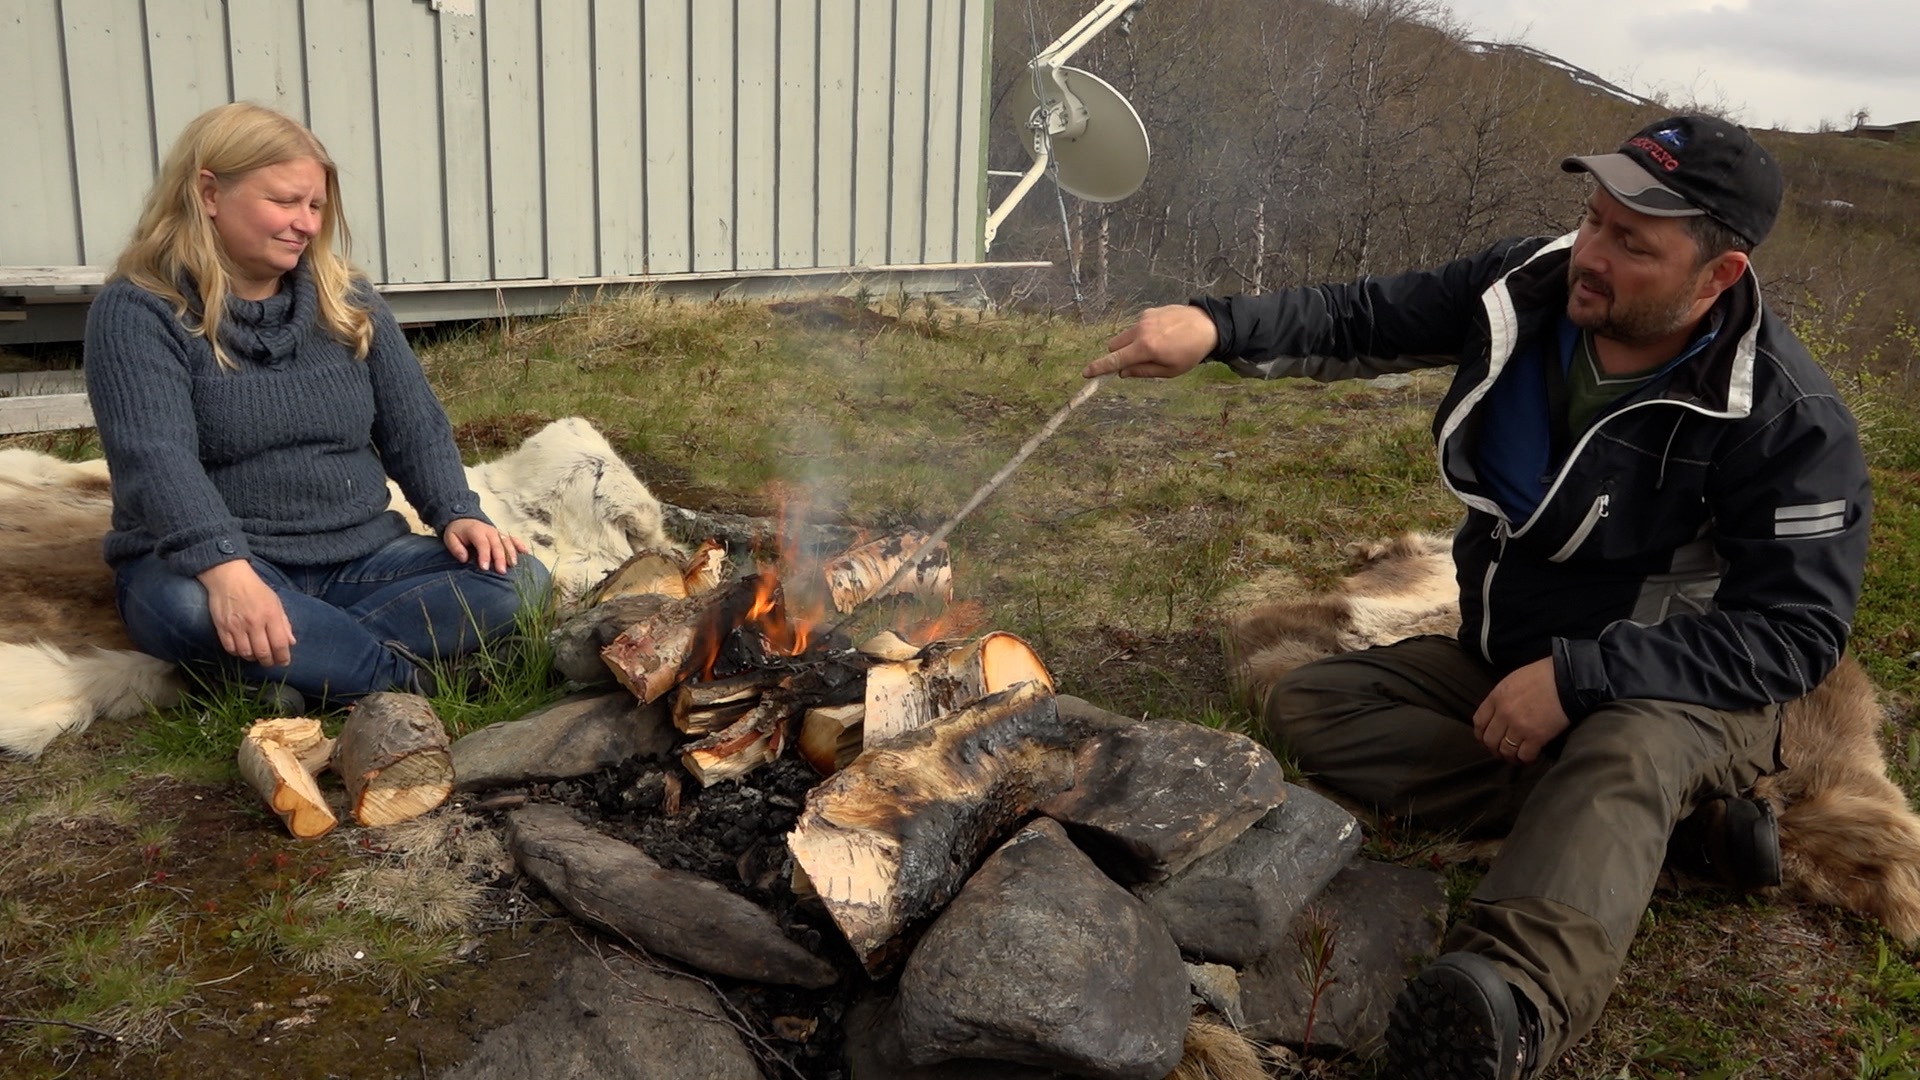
[(1847, 834), (65, 660)]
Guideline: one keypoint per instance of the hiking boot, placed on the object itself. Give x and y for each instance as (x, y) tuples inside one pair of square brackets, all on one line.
[(1733, 842), (1460, 1020)]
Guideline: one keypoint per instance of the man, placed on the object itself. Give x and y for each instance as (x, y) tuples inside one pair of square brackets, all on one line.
[(1666, 528)]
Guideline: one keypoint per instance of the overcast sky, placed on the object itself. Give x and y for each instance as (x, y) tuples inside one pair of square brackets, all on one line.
[(1773, 63)]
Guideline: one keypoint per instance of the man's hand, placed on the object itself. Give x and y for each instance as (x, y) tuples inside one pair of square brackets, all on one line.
[(488, 547), (1522, 714), (1166, 341), (248, 614)]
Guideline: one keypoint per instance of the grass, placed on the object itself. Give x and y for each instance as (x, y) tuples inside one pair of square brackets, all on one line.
[(1117, 550)]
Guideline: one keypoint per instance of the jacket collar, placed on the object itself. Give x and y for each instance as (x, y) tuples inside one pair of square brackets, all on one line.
[(1719, 381)]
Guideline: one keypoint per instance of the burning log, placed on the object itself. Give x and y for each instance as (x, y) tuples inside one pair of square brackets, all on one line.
[(906, 695), (393, 756), (748, 743), (857, 576), (646, 573), (703, 707), (653, 653), (279, 758), (887, 841), (830, 736)]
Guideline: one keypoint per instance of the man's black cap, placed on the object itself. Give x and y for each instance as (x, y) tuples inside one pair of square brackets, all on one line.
[(1685, 166)]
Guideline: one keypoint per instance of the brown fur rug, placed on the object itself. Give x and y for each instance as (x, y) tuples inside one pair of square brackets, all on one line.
[(1848, 836), (65, 660)]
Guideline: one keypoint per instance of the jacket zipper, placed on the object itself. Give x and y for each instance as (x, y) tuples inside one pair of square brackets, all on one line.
[(1594, 513), (1486, 591)]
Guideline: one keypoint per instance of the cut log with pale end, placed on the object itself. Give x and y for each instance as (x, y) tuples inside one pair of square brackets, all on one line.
[(856, 577), (830, 737), (653, 654), (278, 759), (700, 707), (646, 573), (578, 639), (393, 756), (706, 569), (748, 743), (889, 839), (944, 676), (889, 646)]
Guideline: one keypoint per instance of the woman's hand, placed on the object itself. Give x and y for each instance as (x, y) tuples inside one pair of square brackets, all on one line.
[(488, 547), (252, 623)]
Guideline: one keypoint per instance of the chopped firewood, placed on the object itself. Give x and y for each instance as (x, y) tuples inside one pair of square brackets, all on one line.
[(654, 653), (888, 840), (278, 758), (392, 754), (646, 572), (578, 640), (745, 745), (702, 706), (858, 576), (887, 645), (942, 677), (705, 569), (830, 736)]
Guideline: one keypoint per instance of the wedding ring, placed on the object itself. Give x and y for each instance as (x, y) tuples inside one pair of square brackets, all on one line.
[(1504, 741)]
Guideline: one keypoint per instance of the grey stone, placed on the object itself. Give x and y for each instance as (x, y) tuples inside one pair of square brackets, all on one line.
[(614, 1020), (1237, 904), (874, 1052), (1217, 986), (573, 737), (1152, 796), (1383, 922), (1043, 960), (670, 913)]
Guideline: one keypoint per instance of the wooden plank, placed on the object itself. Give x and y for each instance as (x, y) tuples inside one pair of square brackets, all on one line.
[(838, 78), (113, 146), (47, 412), (38, 218), (266, 53), (715, 180), (940, 195), (340, 68), (618, 121), (970, 205), (907, 218), (669, 161), (464, 122), (566, 100), (873, 132), (51, 277), (406, 66), (757, 134), (188, 67), (515, 161), (800, 133)]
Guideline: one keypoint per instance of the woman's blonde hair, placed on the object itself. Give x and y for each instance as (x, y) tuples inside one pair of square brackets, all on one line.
[(175, 239)]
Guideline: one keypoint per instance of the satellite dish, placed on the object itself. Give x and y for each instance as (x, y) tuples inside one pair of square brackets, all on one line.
[(1077, 124), (1107, 161)]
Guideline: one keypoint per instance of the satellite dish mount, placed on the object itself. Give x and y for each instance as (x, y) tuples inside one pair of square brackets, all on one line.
[(1078, 125)]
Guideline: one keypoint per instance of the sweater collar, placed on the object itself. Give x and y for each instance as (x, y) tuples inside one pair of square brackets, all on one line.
[(268, 331)]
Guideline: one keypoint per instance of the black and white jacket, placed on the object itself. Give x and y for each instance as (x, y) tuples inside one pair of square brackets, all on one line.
[(1703, 541)]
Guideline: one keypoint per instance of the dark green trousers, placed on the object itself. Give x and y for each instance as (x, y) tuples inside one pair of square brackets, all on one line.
[(1586, 824)]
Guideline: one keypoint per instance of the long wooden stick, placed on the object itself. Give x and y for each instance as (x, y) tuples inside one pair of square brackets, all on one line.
[(987, 489)]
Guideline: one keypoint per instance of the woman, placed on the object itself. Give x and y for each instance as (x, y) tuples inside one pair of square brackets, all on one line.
[(253, 394)]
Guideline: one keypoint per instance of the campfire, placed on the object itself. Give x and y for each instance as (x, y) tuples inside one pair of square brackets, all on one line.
[(981, 845)]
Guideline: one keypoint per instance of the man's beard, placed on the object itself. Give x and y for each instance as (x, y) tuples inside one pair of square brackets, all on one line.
[(1644, 322)]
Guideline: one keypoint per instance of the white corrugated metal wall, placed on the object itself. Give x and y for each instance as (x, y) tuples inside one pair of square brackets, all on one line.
[(503, 140)]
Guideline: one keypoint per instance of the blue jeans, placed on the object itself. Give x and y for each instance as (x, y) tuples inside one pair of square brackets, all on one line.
[(358, 626)]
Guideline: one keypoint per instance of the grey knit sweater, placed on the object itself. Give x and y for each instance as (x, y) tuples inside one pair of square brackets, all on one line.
[(285, 459)]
